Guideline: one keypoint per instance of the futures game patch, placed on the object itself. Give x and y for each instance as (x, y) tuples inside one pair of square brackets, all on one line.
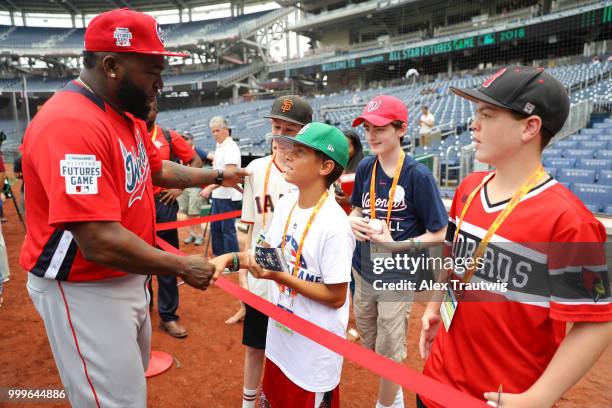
[(81, 172)]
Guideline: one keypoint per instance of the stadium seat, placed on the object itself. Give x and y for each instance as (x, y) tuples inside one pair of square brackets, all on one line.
[(605, 178), (593, 194), (594, 164), (608, 210), (604, 154), (593, 144), (560, 163), (576, 176), (579, 153), (552, 152), (566, 144)]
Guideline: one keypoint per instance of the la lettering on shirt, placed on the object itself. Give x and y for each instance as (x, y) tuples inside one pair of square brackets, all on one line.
[(254, 205), (417, 207), (83, 161), (550, 253), (326, 259), (227, 153)]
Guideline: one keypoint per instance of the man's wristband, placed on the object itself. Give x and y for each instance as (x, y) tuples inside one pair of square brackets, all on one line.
[(219, 178)]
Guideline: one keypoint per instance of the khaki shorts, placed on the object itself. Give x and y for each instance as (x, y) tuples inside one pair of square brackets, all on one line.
[(382, 325), (190, 201)]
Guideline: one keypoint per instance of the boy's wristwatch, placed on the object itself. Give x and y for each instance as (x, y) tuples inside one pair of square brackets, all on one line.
[(219, 178)]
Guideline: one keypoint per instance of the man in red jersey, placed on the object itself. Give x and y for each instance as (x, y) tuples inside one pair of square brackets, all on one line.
[(89, 167), (538, 313), (170, 146)]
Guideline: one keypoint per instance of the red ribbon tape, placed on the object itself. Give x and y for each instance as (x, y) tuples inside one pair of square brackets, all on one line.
[(400, 374), (209, 218)]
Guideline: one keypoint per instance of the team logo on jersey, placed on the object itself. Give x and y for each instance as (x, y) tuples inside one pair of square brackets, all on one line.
[(374, 105), (123, 37), (136, 165), (160, 33), (81, 172), (287, 105), (493, 77)]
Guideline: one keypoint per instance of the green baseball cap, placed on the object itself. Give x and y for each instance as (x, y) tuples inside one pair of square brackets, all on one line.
[(323, 138)]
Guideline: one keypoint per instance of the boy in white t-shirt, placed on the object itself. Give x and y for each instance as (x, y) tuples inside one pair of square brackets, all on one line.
[(263, 188), (311, 226)]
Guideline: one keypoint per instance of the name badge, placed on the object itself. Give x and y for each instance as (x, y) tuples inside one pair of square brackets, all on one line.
[(285, 302), (448, 307)]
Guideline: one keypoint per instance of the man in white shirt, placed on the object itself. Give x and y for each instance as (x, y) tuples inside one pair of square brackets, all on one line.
[(227, 156), (427, 122)]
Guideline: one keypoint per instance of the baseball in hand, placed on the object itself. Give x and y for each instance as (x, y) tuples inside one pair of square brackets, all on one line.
[(376, 225)]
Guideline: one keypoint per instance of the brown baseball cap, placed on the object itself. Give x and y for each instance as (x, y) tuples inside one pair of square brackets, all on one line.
[(291, 108)]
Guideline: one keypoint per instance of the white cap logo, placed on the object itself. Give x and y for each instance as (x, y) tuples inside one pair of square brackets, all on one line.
[(529, 108), (373, 105), (330, 148), (122, 37)]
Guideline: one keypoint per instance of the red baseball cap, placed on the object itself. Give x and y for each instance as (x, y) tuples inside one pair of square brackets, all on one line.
[(383, 110), (125, 30)]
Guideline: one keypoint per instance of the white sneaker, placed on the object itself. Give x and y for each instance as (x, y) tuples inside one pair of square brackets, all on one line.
[(189, 240)]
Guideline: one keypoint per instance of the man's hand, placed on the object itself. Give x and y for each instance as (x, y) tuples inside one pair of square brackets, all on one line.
[(198, 272), (169, 196), (207, 191), (232, 177), (430, 322), (360, 228)]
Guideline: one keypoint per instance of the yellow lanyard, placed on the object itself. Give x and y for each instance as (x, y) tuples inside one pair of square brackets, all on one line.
[(154, 136), (398, 170), (265, 190), (516, 198), (298, 254)]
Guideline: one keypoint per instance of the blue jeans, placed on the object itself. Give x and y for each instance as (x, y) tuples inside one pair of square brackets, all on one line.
[(223, 233)]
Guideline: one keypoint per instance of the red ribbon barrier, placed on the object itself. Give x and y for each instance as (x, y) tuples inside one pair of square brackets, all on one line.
[(208, 218), (400, 374)]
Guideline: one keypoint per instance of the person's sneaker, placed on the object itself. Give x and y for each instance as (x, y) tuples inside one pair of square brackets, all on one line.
[(198, 241), (189, 240), (173, 328)]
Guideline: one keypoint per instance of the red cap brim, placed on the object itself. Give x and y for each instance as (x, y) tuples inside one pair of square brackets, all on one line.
[(165, 53), (373, 119)]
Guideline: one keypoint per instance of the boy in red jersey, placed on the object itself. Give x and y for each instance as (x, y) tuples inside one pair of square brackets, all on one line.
[(526, 228)]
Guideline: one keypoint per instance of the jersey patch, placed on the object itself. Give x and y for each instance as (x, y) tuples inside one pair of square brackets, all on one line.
[(81, 172)]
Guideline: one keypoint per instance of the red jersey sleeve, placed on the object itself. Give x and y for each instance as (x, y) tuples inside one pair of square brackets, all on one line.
[(74, 164), (580, 285), (181, 148)]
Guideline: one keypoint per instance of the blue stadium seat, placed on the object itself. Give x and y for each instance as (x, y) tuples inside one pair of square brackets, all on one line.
[(605, 178), (604, 138), (571, 144), (593, 194), (580, 137), (593, 144), (579, 154), (552, 152), (560, 162), (594, 208), (608, 210), (576, 176), (604, 154), (594, 164)]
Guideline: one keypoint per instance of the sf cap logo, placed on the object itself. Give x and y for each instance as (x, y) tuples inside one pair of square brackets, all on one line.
[(287, 105)]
